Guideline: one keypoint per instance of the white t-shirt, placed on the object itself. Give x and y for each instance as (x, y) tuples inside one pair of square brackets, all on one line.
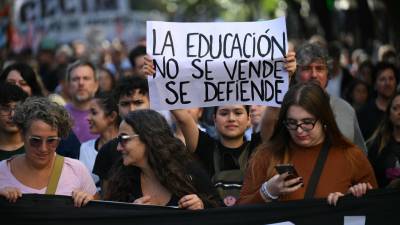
[(88, 155)]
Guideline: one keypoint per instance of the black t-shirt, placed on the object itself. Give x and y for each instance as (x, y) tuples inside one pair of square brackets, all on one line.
[(106, 158), (229, 157), (200, 181), (386, 164), (369, 118), (7, 154), (69, 146)]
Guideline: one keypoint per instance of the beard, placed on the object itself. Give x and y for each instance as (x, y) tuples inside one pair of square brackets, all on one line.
[(84, 97)]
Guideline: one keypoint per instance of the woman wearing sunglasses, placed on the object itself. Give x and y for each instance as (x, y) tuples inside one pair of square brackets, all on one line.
[(40, 170), (307, 136), (161, 170)]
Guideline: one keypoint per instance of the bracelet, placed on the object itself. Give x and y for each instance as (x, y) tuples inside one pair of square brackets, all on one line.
[(265, 192)]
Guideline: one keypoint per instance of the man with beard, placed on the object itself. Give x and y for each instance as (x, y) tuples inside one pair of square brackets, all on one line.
[(11, 142), (83, 84)]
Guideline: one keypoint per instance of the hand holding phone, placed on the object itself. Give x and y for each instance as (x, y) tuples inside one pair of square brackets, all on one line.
[(283, 168)]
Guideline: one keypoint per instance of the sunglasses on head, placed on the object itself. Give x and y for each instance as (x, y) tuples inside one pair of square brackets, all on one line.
[(51, 142), (122, 139)]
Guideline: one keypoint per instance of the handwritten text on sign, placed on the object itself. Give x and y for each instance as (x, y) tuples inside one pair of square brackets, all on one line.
[(210, 64)]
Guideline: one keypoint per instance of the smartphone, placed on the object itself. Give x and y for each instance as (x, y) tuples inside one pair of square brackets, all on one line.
[(283, 168)]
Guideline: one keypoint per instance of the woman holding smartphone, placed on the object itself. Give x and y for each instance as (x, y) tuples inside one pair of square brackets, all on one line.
[(305, 126)]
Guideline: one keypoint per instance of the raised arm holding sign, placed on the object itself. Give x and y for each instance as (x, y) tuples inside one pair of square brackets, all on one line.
[(225, 69)]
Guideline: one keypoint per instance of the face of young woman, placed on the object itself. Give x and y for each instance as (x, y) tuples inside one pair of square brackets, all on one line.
[(98, 120), (133, 150), (310, 133), (14, 77), (41, 141), (231, 121)]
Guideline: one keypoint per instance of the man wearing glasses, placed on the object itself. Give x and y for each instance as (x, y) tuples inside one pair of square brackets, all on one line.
[(11, 142)]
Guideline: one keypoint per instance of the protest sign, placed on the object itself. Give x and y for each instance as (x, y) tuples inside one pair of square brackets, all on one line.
[(210, 64), (92, 21)]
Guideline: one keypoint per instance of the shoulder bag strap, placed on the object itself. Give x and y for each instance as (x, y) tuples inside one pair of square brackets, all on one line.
[(319, 165), (244, 157), (216, 158), (55, 175)]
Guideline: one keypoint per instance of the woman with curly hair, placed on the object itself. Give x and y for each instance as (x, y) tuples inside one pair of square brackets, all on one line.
[(40, 170), (157, 169)]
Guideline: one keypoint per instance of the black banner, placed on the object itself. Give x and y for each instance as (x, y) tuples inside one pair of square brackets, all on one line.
[(378, 207)]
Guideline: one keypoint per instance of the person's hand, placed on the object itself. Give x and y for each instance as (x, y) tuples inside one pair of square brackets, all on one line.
[(278, 185), (145, 200), (290, 63), (11, 193), (81, 198), (148, 67), (192, 202), (334, 197), (357, 190)]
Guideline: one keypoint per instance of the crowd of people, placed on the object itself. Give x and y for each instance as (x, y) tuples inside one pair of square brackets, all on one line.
[(72, 126)]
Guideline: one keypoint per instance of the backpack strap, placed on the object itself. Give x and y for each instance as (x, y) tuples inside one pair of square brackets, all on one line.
[(242, 161), (55, 175), (216, 159), (244, 157), (319, 165)]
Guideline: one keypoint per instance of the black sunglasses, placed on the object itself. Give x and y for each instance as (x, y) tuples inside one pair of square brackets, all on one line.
[(122, 139)]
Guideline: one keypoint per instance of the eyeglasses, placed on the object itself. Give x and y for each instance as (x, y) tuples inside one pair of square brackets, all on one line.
[(306, 125), (124, 138), (318, 68), (6, 111), (51, 142)]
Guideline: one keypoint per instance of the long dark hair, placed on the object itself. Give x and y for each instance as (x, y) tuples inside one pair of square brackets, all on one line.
[(167, 156), (27, 74), (384, 131), (312, 98)]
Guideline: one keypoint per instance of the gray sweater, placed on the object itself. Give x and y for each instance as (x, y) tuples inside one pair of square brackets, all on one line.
[(347, 122)]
